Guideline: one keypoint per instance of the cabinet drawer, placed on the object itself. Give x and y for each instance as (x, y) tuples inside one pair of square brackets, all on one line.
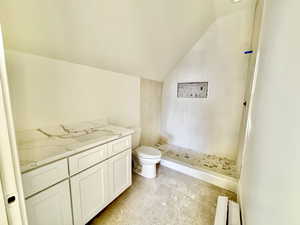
[(119, 145), (43, 177), (87, 159)]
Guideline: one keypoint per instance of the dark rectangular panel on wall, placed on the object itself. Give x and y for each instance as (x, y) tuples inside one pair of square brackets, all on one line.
[(192, 90)]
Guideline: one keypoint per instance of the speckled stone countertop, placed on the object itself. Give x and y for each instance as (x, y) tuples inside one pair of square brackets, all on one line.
[(45, 145)]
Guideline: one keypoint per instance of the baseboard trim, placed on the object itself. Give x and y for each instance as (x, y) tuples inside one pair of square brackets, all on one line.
[(226, 182)]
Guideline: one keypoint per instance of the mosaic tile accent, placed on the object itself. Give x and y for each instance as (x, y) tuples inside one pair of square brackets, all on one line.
[(213, 163)]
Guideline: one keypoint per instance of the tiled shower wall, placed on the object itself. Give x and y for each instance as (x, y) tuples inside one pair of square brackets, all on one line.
[(151, 94), (211, 125)]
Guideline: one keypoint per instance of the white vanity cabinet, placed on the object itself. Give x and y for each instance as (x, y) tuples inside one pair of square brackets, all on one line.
[(47, 191), (80, 185), (96, 187), (119, 168), (50, 207), (89, 192)]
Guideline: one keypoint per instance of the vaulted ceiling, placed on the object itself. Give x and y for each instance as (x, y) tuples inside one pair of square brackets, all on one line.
[(136, 37)]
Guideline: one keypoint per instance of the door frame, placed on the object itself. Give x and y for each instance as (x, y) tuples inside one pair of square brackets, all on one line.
[(3, 215), (250, 93), (10, 173)]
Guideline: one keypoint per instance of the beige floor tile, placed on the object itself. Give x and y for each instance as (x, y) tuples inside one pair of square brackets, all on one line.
[(170, 199)]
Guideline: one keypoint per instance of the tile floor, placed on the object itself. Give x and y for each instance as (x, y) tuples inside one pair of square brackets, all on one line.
[(200, 161), (170, 199)]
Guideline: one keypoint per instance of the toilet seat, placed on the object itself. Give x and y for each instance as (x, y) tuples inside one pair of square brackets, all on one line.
[(147, 152)]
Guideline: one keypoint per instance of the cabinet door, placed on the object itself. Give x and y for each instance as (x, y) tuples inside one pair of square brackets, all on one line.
[(50, 207), (89, 190), (119, 173)]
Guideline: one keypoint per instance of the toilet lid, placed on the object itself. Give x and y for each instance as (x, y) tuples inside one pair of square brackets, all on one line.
[(147, 152)]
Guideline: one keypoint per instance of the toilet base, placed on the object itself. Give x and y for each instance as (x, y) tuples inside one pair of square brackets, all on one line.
[(148, 171)]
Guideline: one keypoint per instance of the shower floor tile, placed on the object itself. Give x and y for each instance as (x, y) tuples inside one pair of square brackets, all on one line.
[(207, 162)]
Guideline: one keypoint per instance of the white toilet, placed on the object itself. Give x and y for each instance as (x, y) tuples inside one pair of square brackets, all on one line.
[(144, 161)]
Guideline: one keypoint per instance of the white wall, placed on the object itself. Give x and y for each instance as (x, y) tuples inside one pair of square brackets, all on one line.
[(270, 184), (211, 125), (46, 92), (151, 96), (136, 37)]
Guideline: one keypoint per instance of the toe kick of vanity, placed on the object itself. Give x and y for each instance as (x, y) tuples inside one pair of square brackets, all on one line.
[(73, 190)]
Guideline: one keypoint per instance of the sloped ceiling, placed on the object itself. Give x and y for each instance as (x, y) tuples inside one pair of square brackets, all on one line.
[(136, 37)]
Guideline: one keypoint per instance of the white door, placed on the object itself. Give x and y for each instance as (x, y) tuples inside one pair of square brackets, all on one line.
[(89, 193), (10, 174), (119, 173), (51, 207)]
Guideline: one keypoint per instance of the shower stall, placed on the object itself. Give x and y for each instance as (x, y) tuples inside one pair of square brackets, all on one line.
[(212, 131)]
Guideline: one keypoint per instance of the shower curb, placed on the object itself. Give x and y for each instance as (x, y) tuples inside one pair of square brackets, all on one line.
[(220, 180)]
